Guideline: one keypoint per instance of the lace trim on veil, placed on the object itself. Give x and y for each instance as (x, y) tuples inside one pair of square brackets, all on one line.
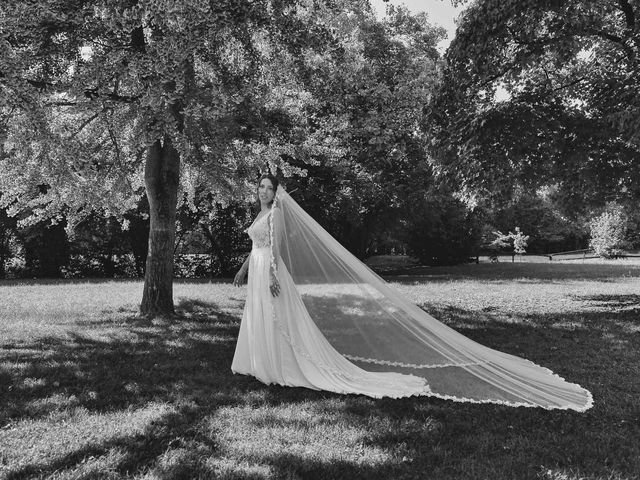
[(410, 365), (272, 259)]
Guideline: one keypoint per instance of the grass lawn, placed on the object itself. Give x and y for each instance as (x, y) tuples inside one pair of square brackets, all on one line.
[(87, 390)]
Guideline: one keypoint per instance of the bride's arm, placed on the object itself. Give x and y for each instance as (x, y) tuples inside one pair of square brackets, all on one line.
[(277, 230), (242, 273), (276, 227)]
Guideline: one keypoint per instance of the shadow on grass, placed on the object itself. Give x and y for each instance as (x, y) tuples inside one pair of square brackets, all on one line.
[(9, 282), (499, 272), (613, 302), (521, 272), (136, 452), (185, 365)]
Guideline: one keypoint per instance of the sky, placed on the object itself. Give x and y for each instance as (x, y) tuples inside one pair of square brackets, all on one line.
[(440, 12)]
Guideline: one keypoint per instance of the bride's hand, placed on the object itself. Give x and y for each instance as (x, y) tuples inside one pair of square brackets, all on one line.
[(238, 280), (274, 286)]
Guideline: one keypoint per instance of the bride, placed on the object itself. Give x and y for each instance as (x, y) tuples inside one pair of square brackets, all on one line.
[(317, 317)]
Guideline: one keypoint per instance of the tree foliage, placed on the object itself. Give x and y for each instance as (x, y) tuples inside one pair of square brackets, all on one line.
[(552, 225), (100, 100), (608, 232), (216, 230), (99, 247), (87, 87), (369, 105), (515, 241), (441, 230), (539, 93)]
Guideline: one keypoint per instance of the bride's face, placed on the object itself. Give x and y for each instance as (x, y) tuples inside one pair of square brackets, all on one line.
[(266, 192)]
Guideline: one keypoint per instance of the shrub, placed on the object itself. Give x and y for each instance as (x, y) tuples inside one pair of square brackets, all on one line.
[(516, 241), (608, 232)]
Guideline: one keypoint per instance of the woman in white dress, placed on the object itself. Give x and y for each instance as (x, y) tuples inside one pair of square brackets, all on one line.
[(278, 341), (350, 332)]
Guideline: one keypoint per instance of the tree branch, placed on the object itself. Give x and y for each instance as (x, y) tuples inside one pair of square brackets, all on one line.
[(84, 124), (90, 93), (93, 93), (39, 84), (114, 140), (631, 54), (61, 104), (496, 76), (570, 84), (612, 38), (629, 15)]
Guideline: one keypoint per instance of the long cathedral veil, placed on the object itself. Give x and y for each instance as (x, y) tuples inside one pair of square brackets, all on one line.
[(373, 325)]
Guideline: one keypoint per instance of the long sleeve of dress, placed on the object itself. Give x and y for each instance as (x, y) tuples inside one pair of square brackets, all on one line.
[(276, 230)]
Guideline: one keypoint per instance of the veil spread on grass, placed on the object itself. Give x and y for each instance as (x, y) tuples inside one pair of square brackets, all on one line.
[(375, 327)]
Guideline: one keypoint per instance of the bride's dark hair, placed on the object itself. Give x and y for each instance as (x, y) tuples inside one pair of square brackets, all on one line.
[(274, 181)]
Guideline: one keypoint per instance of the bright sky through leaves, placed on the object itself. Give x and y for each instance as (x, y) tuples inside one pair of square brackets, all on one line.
[(440, 12)]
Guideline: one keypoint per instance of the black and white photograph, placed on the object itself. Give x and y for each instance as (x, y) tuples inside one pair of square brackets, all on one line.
[(320, 239)]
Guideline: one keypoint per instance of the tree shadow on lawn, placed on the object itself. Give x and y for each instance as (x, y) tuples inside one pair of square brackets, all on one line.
[(613, 302), (185, 366), (9, 282), (520, 272)]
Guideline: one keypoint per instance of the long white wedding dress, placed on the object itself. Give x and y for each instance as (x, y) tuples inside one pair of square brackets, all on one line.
[(337, 326), (279, 342)]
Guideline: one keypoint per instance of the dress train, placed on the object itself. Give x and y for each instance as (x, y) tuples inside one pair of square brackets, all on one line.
[(280, 344)]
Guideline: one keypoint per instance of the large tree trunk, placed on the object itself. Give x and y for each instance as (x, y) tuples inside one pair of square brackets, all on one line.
[(162, 176)]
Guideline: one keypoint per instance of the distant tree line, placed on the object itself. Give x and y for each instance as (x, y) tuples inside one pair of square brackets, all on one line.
[(210, 238)]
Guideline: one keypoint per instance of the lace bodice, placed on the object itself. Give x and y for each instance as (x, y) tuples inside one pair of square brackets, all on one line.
[(259, 232)]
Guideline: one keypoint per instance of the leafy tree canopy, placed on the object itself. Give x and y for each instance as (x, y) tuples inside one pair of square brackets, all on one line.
[(543, 93), (97, 96), (369, 102), (87, 87)]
